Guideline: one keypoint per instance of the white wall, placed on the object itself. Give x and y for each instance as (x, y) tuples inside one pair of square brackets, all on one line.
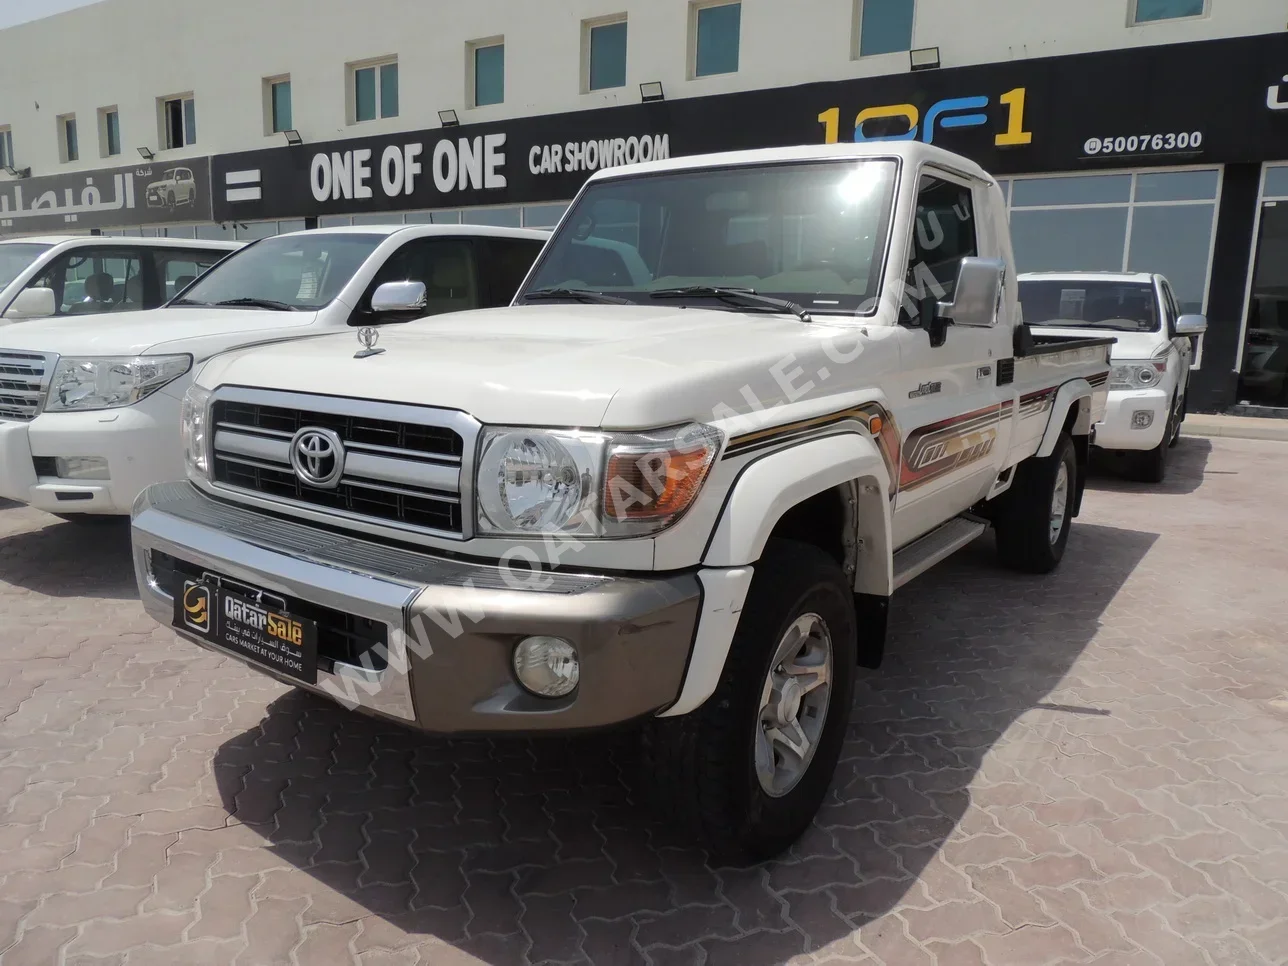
[(130, 52)]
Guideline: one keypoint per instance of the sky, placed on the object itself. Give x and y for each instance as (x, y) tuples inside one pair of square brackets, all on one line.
[(20, 11)]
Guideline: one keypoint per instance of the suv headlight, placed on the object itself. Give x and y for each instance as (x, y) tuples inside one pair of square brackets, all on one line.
[(193, 431), (534, 481), (110, 382), (1136, 375)]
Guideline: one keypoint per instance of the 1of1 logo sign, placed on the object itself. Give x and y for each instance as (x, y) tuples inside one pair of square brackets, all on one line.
[(948, 114)]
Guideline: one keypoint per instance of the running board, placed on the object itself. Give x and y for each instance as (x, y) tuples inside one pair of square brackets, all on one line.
[(924, 552)]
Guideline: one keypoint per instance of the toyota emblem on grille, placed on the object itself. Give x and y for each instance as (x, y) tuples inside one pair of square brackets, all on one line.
[(317, 456)]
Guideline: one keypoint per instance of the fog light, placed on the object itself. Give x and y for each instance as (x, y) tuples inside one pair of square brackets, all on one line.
[(547, 666), (81, 468), (1142, 419)]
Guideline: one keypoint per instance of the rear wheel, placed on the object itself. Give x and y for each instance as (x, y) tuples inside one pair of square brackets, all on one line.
[(1033, 521), (747, 772)]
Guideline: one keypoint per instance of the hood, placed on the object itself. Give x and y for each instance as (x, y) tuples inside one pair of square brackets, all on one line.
[(200, 331), (620, 367), (1129, 345)]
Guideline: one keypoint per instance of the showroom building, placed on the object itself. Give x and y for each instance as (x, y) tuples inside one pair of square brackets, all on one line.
[(1146, 135)]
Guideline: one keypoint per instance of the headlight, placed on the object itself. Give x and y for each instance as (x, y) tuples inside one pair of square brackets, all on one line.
[(193, 435), (1136, 375), (110, 382), (600, 484)]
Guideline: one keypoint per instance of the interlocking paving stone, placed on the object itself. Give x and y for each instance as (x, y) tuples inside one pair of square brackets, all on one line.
[(1090, 768)]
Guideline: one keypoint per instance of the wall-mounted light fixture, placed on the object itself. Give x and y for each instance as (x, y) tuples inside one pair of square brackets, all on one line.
[(924, 58), (652, 91), (449, 119), (146, 154)]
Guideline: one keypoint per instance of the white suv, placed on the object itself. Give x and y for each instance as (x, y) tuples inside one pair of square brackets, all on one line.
[(1151, 358), (56, 275)]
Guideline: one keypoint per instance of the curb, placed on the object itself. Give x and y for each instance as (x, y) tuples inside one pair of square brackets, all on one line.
[(1235, 427)]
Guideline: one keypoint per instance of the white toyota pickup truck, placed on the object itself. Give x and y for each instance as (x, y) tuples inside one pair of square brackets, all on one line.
[(738, 402), (1151, 358), (89, 405)]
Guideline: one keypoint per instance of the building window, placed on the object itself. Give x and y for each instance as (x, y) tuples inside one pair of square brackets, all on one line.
[(487, 77), (605, 54), (884, 26), (715, 30), (1149, 11), (68, 143), (6, 148), (179, 121), (375, 90), (109, 132), (277, 105)]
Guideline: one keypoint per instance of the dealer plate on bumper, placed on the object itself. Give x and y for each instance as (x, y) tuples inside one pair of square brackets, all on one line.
[(264, 634)]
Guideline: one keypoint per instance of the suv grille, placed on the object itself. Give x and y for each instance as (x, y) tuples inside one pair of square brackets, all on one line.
[(23, 378), (395, 471), (342, 637)]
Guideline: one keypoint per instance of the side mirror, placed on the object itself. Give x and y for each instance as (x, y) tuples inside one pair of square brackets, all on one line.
[(1191, 325), (33, 303), (399, 297), (978, 293)]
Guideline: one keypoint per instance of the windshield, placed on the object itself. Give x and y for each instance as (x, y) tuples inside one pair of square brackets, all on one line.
[(303, 272), (1122, 306), (813, 234), (15, 257)]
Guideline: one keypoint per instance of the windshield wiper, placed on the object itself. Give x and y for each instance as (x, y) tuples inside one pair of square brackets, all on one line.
[(189, 302), (744, 297), (577, 294), (259, 304)]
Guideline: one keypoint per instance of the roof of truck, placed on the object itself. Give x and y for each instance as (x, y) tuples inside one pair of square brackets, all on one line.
[(491, 231), (913, 152), (1089, 276), (123, 241)]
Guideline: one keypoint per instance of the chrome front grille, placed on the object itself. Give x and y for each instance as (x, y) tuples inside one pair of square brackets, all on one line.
[(24, 378), (403, 465)]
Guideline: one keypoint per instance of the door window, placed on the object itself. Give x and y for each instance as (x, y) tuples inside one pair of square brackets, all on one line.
[(444, 265), (944, 234), (179, 269), (508, 265), (88, 281)]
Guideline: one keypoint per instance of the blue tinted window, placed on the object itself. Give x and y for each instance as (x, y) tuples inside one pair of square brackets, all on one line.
[(389, 90), (886, 26), (1083, 190), (112, 121), (1176, 186), (364, 90), (1149, 10), (190, 121), (6, 148), (489, 75), (282, 106), (73, 146), (608, 56), (718, 30), (1277, 183)]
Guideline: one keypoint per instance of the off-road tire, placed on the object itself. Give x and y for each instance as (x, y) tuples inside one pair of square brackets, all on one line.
[(1023, 520), (701, 766), (1150, 466), (1181, 413)]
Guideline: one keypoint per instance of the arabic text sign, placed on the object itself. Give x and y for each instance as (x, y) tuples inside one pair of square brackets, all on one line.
[(147, 194)]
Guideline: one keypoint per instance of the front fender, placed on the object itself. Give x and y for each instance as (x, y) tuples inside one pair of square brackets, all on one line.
[(1074, 392), (770, 486)]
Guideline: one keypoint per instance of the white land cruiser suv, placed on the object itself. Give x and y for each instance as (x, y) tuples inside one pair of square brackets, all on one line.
[(89, 406), (738, 402), (1152, 355)]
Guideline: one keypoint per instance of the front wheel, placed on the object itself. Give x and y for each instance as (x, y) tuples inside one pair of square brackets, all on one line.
[(1036, 513), (747, 772)]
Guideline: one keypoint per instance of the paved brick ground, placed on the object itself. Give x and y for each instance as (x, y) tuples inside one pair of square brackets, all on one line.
[(1091, 768)]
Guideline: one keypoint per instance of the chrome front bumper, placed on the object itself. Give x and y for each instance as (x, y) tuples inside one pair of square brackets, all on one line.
[(451, 625)]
